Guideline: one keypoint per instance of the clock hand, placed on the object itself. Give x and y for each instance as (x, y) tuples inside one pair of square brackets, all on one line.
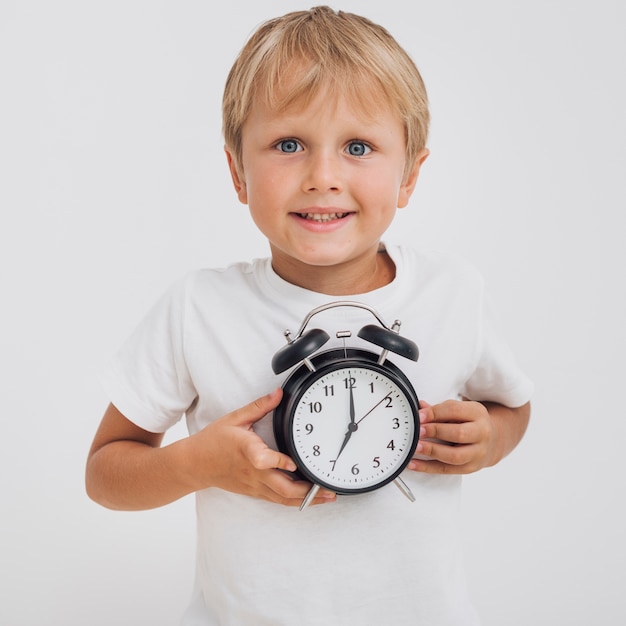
[(351, 403), (380, 402), (352, 427)]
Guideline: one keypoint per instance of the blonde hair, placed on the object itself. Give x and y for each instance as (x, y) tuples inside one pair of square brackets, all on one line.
[(291, 58)]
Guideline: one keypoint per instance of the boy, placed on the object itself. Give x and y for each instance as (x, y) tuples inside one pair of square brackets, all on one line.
[(325, 124)]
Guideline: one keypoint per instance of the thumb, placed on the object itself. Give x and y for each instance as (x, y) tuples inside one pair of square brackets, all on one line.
[(258, 452), (257, 409)]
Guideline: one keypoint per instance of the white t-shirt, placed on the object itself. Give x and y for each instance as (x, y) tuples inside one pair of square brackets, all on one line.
[(205, 349)]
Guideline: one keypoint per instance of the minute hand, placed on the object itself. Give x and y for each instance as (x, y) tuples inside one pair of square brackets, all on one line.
[(352, 427), (378, 403)]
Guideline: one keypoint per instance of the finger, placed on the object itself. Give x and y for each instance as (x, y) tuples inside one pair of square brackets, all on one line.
[(452, 411), (290, 492), (437, 467), (434, 413), (257, 409), (452, 433), (262, 457), (445, 452)]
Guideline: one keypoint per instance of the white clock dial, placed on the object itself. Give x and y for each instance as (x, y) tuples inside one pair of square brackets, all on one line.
[(353, 428)]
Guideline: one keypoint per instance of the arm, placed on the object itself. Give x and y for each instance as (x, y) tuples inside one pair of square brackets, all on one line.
[(127, 468), (472, 435)]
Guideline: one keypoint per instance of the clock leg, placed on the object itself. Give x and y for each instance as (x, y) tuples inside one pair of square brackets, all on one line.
[(309, 497), (404, 488)]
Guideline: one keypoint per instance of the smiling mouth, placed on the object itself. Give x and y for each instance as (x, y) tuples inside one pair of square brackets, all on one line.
[(322, 217)]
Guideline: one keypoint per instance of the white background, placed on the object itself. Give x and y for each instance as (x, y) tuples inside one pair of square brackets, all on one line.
[(113, 183)]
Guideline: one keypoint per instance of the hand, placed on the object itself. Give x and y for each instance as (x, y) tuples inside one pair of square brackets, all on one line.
[(230, 455), (458, 437)]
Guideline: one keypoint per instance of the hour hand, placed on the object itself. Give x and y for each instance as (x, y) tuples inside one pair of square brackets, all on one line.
[(351, 428)]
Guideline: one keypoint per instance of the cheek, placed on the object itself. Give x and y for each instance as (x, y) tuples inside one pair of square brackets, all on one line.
[(381, 188), (265, 181)]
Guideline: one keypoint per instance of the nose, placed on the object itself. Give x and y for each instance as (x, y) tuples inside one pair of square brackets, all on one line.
[(323, 173)]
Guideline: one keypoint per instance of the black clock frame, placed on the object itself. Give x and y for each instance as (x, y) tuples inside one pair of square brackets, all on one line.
[(302, 378)]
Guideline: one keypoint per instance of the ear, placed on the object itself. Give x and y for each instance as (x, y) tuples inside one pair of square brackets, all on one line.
[(239, 181), (410, 180)]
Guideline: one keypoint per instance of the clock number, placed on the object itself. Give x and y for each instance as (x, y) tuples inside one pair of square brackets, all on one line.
[(355, 469), (329, 390), (316, 451), (396, 423), (309, 429), (389, 405), (350, 382), (371, 387), (334, 463), (315, 407), (376, 461), (391, 445)]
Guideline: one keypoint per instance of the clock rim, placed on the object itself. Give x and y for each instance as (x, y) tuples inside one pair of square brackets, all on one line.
[(302, 378)]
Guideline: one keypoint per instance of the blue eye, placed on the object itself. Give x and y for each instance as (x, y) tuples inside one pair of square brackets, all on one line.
[(358, 148), (289, 146)]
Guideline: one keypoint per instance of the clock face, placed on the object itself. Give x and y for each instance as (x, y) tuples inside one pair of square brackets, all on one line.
[(352, 425)]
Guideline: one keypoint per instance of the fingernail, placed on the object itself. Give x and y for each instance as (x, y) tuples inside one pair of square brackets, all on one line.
[(423, 415)]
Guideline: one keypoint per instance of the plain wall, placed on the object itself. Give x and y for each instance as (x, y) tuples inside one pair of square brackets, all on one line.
[(113, 183)]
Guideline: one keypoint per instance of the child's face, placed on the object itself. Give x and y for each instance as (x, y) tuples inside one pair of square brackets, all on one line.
[(323, 183)]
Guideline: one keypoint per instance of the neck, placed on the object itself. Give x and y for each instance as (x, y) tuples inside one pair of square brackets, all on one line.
[(359, 276)]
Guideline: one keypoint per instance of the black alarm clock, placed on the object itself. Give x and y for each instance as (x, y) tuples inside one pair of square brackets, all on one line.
[(348, 417)]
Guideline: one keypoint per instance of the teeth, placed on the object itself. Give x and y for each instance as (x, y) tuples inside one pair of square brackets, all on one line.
[(322, 217)]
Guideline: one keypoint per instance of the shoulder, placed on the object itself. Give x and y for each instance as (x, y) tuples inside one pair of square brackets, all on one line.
[(223, 296), (234, 271), (207, 288), (436, 267), (236, 278)]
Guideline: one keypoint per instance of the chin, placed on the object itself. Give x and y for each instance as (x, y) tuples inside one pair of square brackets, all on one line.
[(323, 260)]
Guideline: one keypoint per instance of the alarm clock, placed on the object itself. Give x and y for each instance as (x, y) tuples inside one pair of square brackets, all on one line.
[(349, 417)]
